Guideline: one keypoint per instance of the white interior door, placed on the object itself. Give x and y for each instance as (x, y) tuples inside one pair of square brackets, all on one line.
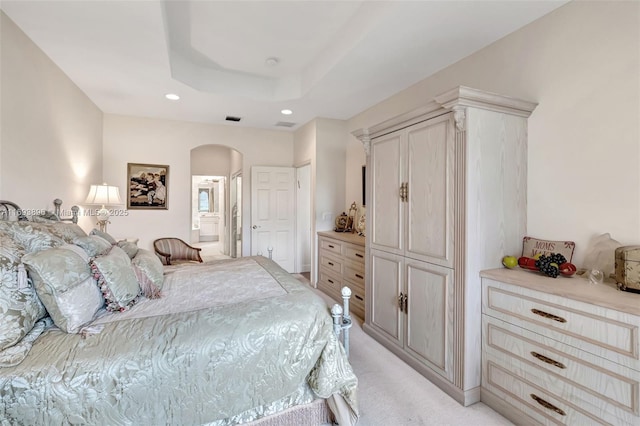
[(273, 214)]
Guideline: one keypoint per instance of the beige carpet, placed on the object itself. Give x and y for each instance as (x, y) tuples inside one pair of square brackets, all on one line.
[(391, 393)]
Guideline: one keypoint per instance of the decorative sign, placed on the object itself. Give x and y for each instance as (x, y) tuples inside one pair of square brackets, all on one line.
[(533, 246)]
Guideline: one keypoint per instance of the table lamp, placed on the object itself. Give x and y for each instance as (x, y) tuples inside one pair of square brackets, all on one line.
[(103, 195)]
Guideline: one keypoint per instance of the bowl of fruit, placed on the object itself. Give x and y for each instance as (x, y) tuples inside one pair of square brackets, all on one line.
[(552, 265)]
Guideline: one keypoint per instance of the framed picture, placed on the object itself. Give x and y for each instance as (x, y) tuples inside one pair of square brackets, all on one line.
[(148, 186)]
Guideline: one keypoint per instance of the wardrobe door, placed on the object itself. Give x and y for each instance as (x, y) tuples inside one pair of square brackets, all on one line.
[(385, 211), (429, 229), (385, 295), (429, 315)]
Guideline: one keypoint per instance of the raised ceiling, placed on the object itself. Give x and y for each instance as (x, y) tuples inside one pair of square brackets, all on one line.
[(333, 59)]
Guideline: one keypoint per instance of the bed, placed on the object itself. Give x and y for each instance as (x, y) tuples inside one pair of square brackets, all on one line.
[(236, 341)]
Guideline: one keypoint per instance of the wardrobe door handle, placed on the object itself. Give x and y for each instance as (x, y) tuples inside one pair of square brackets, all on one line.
[(330, 263), (547, 360), (401, 302), (547, 405), (359, 276), (331, 246), (359, 255), (331, 281), (548, 315), (359, 298)]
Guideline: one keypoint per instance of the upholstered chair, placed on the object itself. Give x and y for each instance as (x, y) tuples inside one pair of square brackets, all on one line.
[(175, 250)]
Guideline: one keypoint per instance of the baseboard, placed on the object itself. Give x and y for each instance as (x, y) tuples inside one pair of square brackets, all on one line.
[(505, 409), (464, 398)]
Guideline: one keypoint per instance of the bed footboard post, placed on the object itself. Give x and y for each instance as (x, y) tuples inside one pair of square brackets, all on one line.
[(336, 313), (346, 318)]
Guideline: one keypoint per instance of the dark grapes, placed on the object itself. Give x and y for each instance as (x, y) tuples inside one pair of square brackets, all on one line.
[(549, 265)]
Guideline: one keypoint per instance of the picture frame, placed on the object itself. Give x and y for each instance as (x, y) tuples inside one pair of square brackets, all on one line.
[(148, 186)]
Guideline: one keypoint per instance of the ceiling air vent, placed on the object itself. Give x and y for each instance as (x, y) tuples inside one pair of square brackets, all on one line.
[(285, 124), (232, 118)]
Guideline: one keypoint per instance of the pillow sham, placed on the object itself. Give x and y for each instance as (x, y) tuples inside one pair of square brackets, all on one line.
[(104, 235), (129, 247), (66, 231), (64, 283), (116, 279), (93, 245), (20, 307), (32, 236), (149, 272)]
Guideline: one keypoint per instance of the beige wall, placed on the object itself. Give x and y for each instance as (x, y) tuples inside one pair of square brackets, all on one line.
[(581, 63), (51, 133), (145, 140)]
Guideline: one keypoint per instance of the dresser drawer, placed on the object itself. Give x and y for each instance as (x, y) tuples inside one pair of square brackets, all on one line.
[(356, 275), (331, 246), (331, 264), (329, 283), (354, 253), (594, 385), (530, 398), (601, 332), (357, 301)]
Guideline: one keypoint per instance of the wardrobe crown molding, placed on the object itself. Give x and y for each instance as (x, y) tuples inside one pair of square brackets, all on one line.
[(457, 99)]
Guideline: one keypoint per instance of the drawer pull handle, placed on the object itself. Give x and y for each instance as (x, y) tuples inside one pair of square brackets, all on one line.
[(547, 360), (360, 276), (330, 263), (359, 298), (331, 281), (548, 315), (331, 246), (359, 255), (547, 405)]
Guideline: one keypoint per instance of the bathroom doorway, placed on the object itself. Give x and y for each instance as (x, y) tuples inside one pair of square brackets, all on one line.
[(212, 168)]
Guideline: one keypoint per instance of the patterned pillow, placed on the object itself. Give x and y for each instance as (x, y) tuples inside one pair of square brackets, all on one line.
[(129, 247), (64, 283), (20, 307), (32, 236), (149, 271), (93, 245), (66, 231), (116, 279), (104, 235)]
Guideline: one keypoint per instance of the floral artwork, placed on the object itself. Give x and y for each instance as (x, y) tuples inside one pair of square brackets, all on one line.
[(148, 186)]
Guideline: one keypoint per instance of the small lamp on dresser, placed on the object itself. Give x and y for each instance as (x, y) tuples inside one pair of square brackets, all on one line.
[(103, 195)]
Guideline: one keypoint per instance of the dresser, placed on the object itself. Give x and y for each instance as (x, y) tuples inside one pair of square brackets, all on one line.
[(341, 263), (446, 199), (559, 351)]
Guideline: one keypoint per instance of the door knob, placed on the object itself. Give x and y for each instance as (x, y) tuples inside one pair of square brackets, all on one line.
[(255, 227)]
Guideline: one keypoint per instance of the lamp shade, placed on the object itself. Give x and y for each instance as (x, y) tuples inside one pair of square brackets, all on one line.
[(103, 195)]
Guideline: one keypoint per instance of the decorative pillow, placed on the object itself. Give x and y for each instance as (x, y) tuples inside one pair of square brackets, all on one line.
[(32, 236), (129, 247), (116, 279), (104, 235), (64, 283), (20, 307), (66, 231), (149, 271), (46, 217), (93, 245)]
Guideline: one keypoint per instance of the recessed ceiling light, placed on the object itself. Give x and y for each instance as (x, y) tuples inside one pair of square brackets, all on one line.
[(286, 112), (172, 96)]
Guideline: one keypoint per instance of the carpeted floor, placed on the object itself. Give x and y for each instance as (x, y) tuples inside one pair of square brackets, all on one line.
[(391, 393)]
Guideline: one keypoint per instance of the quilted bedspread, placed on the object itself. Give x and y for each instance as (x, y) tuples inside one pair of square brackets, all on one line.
[(229, 342)]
